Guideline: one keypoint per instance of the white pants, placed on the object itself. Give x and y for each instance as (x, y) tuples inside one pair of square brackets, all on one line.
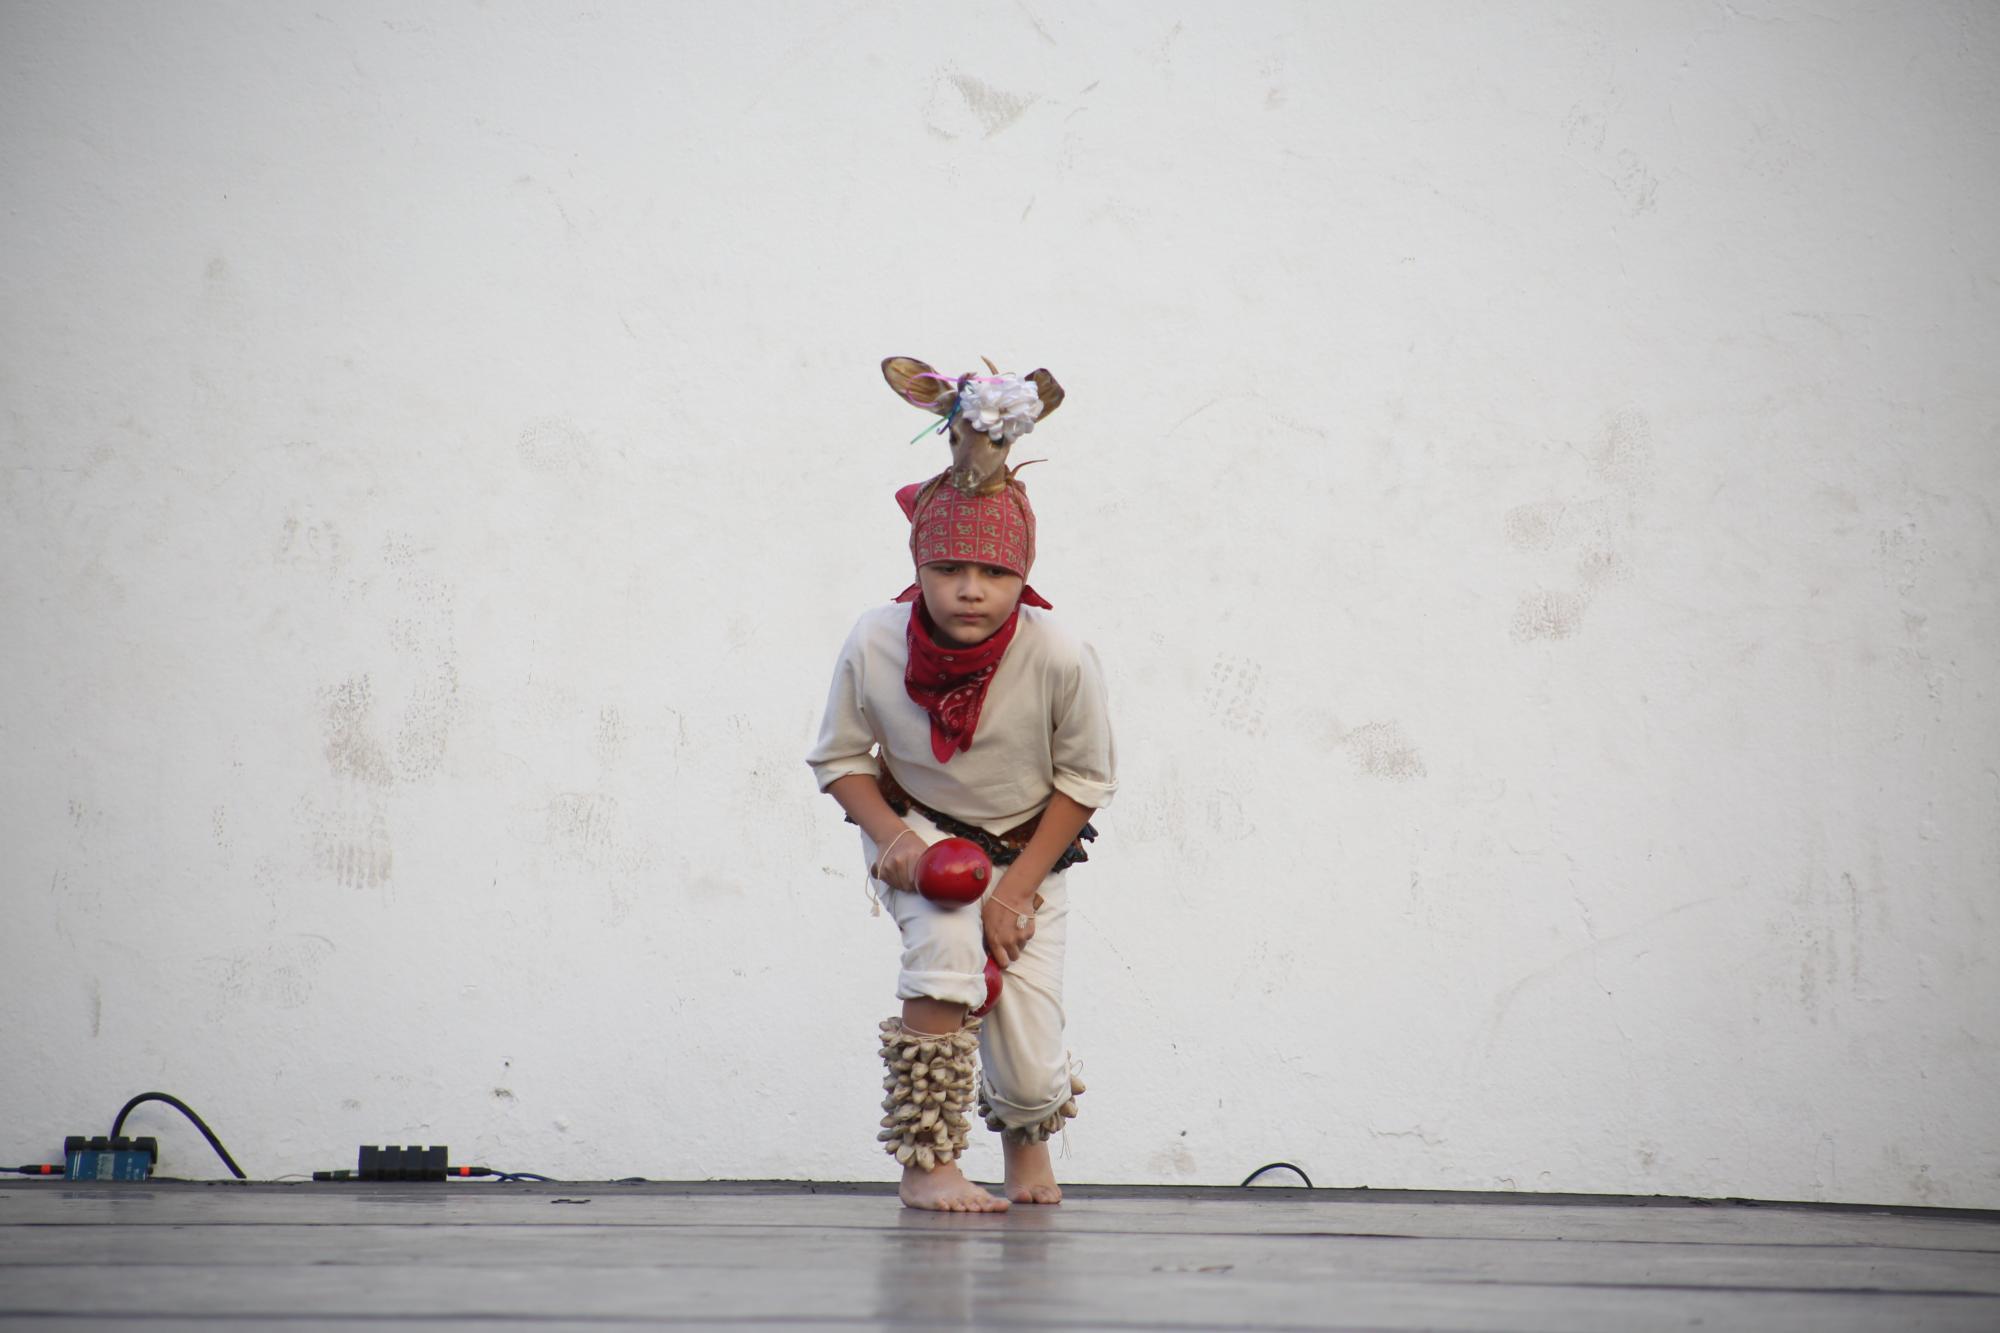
[(1024, 1064)]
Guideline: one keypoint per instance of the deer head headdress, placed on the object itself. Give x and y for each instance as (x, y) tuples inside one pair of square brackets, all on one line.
[(996, 410)]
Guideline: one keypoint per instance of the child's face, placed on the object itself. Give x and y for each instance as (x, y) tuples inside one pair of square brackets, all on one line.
[(968, 602)]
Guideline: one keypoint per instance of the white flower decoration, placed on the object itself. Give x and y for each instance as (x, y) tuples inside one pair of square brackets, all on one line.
[(1004, 407)]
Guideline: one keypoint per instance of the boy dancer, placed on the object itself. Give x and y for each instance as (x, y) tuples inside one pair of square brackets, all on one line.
[(971, 713)]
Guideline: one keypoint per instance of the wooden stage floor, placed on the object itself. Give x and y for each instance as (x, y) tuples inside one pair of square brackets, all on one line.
[(188, 1255)]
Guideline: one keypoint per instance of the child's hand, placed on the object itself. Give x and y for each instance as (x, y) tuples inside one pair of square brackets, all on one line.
[(897, 866), (1005, 936)]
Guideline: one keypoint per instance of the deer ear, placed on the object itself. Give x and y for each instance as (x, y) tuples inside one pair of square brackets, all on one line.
[(916, 383), (1047, 390)]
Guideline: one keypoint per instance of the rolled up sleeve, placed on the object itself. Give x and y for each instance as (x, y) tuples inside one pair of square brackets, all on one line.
[(845, 738), (1084, 754)]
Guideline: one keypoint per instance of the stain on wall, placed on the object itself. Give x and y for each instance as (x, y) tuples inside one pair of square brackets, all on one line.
[(583, 825), (282, 974), (609, 737), (309, 542), (585, 829), (972, 106), (422, 628), (1588, 531), (349, 841), (1586, 128), (1235, 694), (1903, 554), (1174, 1161), (1548, 613), (1817, 939), (351, 749), (428, 714), (555, 446), (1381, 750)]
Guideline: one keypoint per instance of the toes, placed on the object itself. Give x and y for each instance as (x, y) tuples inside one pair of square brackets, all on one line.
[(966, 1198)]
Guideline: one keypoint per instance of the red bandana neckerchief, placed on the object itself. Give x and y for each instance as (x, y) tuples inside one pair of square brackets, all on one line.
[(950, 681)]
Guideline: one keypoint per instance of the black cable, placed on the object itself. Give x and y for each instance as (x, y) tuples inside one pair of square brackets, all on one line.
[(187, 1111), (523, 1175), (1278, 1166), (35, 1169)]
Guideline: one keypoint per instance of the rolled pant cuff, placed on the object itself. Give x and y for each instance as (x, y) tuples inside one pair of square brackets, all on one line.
[(1015, 1116), (966, 988)]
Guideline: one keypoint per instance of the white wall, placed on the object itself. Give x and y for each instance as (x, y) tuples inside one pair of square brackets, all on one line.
[(1530, 471)]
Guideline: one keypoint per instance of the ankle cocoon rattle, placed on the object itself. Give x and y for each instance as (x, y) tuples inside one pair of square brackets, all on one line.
[(929, 1084)]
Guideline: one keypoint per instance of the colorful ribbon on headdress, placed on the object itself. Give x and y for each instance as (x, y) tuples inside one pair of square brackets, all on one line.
[(961, 379)]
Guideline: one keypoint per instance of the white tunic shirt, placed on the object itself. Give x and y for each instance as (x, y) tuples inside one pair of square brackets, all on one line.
[(1043, 727)]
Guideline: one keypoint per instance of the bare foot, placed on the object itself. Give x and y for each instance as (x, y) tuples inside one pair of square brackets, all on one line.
[(1030, 1176), (946, 1190)]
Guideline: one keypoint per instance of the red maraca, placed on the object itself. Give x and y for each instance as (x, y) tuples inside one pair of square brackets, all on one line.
[(993, 975), (953, 872)]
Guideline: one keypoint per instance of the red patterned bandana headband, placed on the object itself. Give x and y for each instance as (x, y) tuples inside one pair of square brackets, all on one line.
[(946, 525)]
